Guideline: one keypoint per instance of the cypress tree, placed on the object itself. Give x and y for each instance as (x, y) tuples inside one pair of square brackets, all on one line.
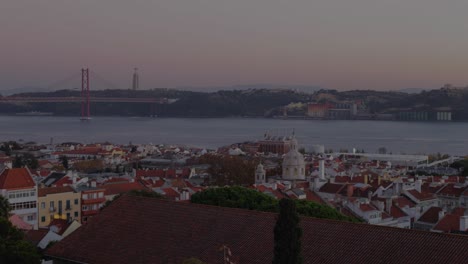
[(287, 235)]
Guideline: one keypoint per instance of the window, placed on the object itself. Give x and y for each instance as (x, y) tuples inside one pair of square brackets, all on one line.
[(68, 215), (84, 208), (76, 201), (101, 195), (85, 196), (52, 205), (68, 206), (31, 218), (43, 205), (43, 219), (76, 214)]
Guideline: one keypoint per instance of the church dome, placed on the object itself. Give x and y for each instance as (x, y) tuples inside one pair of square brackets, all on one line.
[(293, 163)]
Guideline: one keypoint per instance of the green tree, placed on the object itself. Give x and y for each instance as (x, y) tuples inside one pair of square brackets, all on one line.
[(4, 207), (26, 160), (18, 162), (236, 197), (288, 235), (230, 170), (64, 160), (240, 197), (13, 247)]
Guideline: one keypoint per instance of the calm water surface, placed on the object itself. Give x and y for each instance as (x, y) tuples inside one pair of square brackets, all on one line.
[(398, 137)]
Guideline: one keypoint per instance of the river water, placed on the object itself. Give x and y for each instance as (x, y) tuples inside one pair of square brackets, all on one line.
[(397, 137)]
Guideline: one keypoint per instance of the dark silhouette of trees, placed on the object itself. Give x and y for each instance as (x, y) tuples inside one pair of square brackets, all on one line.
[(64, 161), (230, 170), (288, 235), (240, 197)]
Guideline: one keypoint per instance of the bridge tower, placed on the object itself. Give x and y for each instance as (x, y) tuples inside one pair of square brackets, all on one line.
[(85, 113)]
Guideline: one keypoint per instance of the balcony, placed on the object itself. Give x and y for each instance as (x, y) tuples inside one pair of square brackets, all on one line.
[(89, 212), (68, 208), (94, 201)]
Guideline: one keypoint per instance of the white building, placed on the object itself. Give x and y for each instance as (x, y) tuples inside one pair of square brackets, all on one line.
[(293, 163), (18, 186)]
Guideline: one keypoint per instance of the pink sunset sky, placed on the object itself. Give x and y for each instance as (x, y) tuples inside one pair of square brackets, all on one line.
[(336, 44)]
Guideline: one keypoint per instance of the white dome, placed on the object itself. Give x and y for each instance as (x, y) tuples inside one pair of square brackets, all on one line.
[(293, 163)]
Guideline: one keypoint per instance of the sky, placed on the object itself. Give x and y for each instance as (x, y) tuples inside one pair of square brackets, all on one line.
[(335, 44)]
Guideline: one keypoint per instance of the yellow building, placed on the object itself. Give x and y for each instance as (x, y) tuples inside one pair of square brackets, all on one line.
[(58, 203)]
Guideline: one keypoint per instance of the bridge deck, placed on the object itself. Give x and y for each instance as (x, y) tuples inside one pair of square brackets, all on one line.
[(81, 99)]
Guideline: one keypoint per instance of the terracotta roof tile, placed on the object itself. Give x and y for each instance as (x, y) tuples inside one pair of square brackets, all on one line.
[(41, 192), (431, 215), (118, 188), (147, 230), (16, 179)]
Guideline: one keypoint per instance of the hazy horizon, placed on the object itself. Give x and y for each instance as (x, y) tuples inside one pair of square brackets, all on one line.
[(334, 44)]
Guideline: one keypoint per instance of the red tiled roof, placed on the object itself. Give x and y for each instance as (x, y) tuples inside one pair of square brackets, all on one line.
[(422, 196), (449, 223), (311, 196), (16, 179), (35, 236), (66, 180), (396, 212), (150, 173), (402, 201), (171, 193), (452, 190), (60, 224), (147, 230), (118, 188), (367, 208), (41, 192), (331, 188), (431, 215)]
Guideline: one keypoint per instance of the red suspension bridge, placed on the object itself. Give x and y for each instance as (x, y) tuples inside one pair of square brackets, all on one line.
[(85, 98)]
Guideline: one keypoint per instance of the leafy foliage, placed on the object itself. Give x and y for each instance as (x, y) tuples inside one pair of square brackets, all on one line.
[(26, 160), (240, 197), (64, 161), (13, 247), (236, 197), (229, 170), (287, 235), (4, 207)]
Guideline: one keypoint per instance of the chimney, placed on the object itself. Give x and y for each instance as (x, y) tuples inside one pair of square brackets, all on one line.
[(366, 179), (350, 190), (379, 180), (388, 205), (322, 169), (464, 222), (441, 214), (417, 185), (274, 186)]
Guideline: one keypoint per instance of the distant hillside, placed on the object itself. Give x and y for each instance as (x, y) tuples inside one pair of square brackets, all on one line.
[(252, 102)]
